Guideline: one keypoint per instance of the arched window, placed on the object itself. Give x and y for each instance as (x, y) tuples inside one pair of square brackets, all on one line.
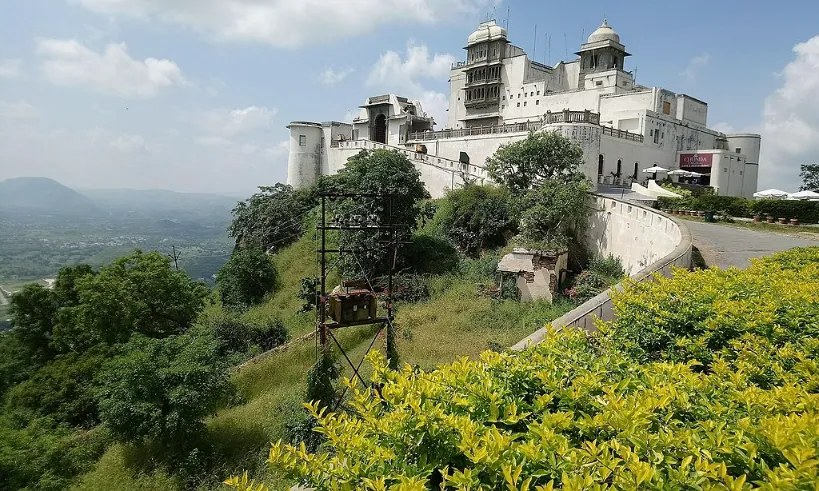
[(619, 167), (600, 165), (636, 169)]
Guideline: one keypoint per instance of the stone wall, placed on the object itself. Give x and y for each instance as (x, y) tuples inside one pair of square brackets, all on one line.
[(647, 242)]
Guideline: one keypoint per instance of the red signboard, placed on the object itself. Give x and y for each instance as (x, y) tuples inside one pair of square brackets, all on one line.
[(696, 160)]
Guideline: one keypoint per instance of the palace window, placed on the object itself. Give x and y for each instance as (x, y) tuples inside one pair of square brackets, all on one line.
[(518, 104), (537, 102), (666, 107), (738, 150), (524, 104), (302, 140)]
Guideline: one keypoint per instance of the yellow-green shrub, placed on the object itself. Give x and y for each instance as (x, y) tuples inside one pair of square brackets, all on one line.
[(695, 316), (567, 414)]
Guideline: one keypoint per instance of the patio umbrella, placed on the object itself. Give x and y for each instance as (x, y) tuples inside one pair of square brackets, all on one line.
[(771, 193), (678, 172), (694, 174), (654, 170), (804, 195)]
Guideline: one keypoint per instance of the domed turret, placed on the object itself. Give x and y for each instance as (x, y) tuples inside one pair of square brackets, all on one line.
[(604, 33), (487, 31)]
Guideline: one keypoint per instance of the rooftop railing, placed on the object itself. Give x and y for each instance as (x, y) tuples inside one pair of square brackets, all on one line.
[(626, 135)]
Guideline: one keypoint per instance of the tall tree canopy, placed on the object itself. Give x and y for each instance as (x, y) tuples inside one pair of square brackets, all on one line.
[(272, 218), (139, 293), (163, 388), (810, 177), (541, 156), (376, 172)]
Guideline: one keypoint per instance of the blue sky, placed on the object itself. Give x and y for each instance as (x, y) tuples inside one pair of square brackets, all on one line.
[(194, 95)]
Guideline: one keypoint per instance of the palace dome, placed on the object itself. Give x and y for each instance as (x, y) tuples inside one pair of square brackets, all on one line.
[(604, 33), (487, 31)]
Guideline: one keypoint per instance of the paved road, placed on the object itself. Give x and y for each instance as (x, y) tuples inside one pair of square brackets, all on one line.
[(726, 246)]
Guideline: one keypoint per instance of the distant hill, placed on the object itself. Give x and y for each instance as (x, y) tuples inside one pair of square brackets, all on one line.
[(43, 196)]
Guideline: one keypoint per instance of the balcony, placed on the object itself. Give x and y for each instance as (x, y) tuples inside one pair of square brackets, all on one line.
[(483, 102), (626, 135), (567, 116), (484, 81)]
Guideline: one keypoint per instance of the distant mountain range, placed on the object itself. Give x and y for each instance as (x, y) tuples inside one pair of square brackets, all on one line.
[(43, 196)]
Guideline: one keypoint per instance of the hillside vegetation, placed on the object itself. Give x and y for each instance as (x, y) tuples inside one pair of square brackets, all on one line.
[(43, 195), (132, 376), (707, 380)]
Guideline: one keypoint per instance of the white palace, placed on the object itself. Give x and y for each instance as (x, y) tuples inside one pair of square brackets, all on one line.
[(498, 95)]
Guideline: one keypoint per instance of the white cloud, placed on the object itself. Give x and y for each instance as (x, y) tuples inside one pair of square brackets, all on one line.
[(128, 143), (68, 62), (213, 141), (405, 76), (790, 126), (695, 66), (227, 124), (10, 68), (393, 70), (289, 23), (18, 111), (333, 76)]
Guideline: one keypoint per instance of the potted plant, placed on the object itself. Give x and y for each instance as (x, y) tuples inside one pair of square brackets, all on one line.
[(794, 221), (757, 218), (769, 219), (783, 221)]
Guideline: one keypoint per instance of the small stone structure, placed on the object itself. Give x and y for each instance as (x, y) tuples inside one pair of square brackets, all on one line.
[(538, 272)]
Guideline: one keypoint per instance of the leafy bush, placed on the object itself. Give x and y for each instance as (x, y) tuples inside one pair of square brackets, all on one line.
[(269, 335), (805, 211), (46, 457), (476, 217), (62, 389), (610, 267), (587, 285), (566, 414), (309, 293), (162, 389), (409, 288), (427, 254), (732, 205), (245, 280), (698, 315)]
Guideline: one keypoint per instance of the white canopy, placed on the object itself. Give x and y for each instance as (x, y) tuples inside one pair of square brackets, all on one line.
[(771, 193), (654, 169), (678, 172), (694, 174), (804, 195)]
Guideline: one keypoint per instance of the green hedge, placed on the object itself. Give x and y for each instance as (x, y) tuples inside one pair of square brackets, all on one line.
[(805, 211)]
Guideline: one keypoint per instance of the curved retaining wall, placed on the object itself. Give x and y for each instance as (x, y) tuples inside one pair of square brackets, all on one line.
[(646, 240)]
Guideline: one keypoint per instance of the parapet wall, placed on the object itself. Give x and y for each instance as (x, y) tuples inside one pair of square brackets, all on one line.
[(646, 240)]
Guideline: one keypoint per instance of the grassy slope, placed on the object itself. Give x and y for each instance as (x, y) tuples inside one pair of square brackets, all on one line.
[(454, 322)]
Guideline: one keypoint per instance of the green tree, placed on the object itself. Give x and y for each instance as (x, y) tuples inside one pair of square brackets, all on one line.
[(541, 156), (139, 293), (376, 172), (246, 278), (810, 177), (32, 314), (272, 218), (162, 389), (476, 217), (554, 210)]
